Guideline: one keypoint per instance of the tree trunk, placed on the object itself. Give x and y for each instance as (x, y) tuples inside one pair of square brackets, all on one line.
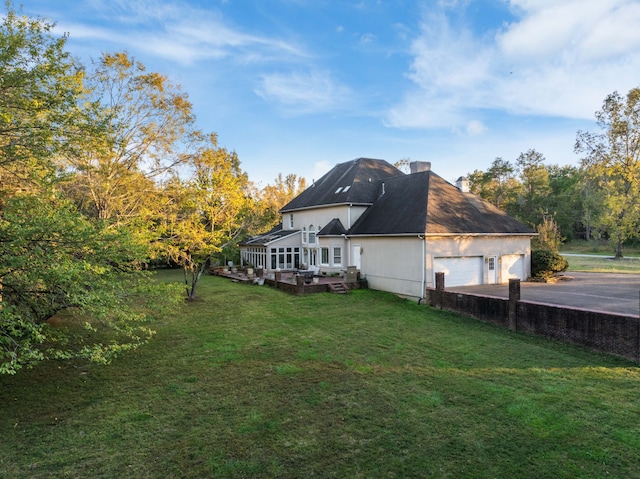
[(618, 249)]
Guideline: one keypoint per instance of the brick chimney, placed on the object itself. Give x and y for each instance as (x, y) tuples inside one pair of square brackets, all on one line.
[(419, 166)]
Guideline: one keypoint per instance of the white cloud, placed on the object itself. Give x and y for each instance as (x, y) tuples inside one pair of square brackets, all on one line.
[(301, 93), (558, 58), (367, 38), (181, 33), (475, 128)]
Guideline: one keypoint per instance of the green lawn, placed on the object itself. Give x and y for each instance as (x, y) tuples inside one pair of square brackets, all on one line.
[(604, 248), (251, 382), (604, 264)]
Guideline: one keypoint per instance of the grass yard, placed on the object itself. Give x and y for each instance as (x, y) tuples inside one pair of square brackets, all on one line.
[(250, 382), (597, 257), (601, 247), (603, 264)]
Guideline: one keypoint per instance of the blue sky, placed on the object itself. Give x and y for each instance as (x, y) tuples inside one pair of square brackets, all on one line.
[(296, 86)]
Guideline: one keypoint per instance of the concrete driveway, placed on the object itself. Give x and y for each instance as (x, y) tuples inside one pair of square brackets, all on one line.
[(611, 292)]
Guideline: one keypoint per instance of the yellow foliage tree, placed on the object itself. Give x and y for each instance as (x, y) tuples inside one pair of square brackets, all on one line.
[(205, 212)]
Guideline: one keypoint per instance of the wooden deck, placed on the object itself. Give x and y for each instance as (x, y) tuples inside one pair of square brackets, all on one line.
[(291, 282)]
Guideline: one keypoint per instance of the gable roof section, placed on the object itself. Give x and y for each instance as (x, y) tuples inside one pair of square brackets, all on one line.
[(334, 228), (352, 182), (424, 203)]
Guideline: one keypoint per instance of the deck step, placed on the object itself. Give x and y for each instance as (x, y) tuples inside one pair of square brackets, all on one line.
[(338, 288)]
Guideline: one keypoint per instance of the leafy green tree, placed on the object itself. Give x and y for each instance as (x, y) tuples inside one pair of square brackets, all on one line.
[(497, 185), (205, 212), (532, 202), (592, 201), (612, 164), (564, 201), (39, 88), (55, 260)]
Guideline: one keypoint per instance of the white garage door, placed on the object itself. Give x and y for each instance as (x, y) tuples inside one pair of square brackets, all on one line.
[(511, 266), (460, 270)]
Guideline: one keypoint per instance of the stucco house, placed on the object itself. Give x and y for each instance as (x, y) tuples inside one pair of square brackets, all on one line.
[(397, 229)]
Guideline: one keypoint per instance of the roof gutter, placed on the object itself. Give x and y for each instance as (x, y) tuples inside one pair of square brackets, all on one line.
[(329, 205), (435, 235)]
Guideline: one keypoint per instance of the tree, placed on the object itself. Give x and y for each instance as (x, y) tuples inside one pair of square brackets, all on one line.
[(39, 87), (534, 178), (275, 196), (612, 164), (497, 185), (53, 259), (144, 127), (403, 164), (549, 237), (565, 199), (206, 212)]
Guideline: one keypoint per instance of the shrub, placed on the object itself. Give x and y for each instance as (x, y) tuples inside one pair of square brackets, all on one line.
[(549, 237), (545, 263)]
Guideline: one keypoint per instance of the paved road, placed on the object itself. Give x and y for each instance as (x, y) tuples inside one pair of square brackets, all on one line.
[(612, 292)]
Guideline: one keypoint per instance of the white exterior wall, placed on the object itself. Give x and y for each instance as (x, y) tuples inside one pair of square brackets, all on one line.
[(322, 216), (484, 246), (332, 242), (393, 264), (404, 265), (319, 218)]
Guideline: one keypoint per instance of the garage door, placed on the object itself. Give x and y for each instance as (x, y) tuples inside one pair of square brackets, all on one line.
[(511, 266), (460, 270)]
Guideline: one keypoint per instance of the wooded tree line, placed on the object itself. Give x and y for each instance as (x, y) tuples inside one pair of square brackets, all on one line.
[(104, 172), (599, 199)]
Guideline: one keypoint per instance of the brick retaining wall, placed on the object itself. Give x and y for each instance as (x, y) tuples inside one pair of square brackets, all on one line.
[(600, 331)]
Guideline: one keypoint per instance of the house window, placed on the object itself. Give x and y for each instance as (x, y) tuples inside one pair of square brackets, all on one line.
[(324, 256), (304, 235), (312, 235), (291, 221), (296, 257), (337, 256), (274, 258)]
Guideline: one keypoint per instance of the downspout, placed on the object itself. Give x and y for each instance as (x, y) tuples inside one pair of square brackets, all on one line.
[(348, 255), (424, 266)]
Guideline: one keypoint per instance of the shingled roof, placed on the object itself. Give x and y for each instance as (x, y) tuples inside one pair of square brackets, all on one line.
[(352, 182), (424, 203), (334, 228), (264, 239)]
